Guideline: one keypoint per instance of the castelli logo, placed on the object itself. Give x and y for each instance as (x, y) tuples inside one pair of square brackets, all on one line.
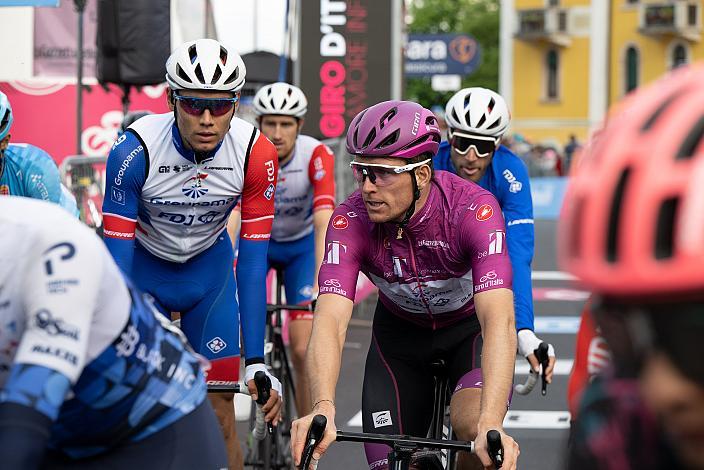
[(484, 213), (340, 222)]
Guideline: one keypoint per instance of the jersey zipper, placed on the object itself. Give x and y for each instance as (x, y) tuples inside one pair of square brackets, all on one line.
[(420, 286)]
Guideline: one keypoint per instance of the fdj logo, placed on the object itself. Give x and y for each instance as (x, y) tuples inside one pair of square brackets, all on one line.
[(193, 187), (269, 193)]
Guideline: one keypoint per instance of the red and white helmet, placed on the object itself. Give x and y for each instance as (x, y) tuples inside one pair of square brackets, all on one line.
[(205, 64), (632, 223)]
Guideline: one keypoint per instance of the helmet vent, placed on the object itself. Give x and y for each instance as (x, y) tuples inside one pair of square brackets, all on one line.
[(193, 54), (418, 141), (216, 75), (495, 124), (482, 121), (492, 103), (5, 120), (575, 242), (199, 74), (692, 141), (388, 116), (454, 115), (233, 76), (663, 106), (390, 140), (615, 217), (295, 105), (665, 229), (370, 138), (182, 75), (223, 56)]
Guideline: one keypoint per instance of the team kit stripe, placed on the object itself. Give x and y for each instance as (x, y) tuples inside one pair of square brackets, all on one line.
[(119, 227)]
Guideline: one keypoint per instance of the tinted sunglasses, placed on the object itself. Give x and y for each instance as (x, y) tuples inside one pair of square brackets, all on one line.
[(483, 146), (197, 106), (635, 332), (378, 174)]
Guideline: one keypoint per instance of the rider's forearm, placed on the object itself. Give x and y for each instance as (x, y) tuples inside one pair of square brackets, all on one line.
[(324, 353), (498, 359)]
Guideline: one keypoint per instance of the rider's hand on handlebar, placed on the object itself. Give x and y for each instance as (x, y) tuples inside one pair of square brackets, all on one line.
[(511, 449), (527, 344), (299, 430), (272, 408)]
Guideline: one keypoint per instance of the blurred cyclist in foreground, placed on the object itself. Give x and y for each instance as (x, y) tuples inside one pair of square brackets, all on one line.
[(633, 231)]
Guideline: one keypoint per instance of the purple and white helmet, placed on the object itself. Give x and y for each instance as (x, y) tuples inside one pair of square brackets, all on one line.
[(400, 129)]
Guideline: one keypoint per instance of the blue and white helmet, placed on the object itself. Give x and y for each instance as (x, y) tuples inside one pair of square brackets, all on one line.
[(5, 115)]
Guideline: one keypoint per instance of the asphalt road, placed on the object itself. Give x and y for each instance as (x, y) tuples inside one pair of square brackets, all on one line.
[(539, 424)]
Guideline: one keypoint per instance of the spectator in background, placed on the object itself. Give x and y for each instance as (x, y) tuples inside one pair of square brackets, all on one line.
[(439, 113), (571, 146)]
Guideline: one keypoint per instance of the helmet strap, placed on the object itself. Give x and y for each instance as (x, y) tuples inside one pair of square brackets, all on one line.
[(411, 209)]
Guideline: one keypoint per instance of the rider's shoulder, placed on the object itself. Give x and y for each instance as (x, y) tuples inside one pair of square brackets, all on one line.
[(353, 211), (504, 158)]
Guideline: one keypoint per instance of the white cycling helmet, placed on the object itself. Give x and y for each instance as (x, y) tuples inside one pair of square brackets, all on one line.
[(205, 64), (5, 115), (280, 98), (478, 111)]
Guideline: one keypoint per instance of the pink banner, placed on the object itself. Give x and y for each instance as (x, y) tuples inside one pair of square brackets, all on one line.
[(56, 40), (45, 115)]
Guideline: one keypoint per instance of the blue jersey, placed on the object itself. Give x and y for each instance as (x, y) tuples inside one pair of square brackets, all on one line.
[(79, 347), (507, 179), (29, 171)]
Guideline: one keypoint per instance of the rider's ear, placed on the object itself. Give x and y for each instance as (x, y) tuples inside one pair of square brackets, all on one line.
[(423, 175), (170, 99)]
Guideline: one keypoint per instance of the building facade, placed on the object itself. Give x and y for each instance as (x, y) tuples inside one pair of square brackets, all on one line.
[(564, 62)]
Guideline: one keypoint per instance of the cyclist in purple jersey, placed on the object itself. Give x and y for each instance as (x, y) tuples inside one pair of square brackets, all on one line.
[(435, 245)]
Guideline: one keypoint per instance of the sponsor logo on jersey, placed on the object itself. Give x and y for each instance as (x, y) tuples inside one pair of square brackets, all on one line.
[(117, 196), (434, 243), (319, 174), (256, 236), (193, 187), (126, 164), (216, 344), (496, 242), (397, 265), (306, 291), (514, 185), (269, 193), (59, 252), (333, 286), (60, 353), (332, 283), (4, 190), (218, 202), (54, 326), (270, 172), (164, 169), (382, 418), (352, 214), (340, 222), (219, 168), (488, 280), (484, 213), (333, 254), (119, 141)]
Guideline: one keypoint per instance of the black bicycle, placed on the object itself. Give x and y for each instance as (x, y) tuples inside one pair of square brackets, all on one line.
[(403, 448)]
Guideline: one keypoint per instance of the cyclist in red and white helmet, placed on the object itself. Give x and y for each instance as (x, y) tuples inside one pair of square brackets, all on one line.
[(434, 245), (304, 201), (632, 231)]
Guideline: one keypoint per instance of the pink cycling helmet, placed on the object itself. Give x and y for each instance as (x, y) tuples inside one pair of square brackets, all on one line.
[(400, 129), (632, 223)]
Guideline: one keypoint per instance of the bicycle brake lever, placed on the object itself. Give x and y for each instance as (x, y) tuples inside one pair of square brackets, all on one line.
[(263, 384), (315, 434), (495, 448), (542, 355)]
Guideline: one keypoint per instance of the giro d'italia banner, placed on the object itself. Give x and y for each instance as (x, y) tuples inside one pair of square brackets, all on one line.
[(345, 60)]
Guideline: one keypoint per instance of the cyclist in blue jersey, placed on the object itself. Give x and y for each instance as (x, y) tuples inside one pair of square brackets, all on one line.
[(26, 170), (172, 181), (91, 375), (477, 118)]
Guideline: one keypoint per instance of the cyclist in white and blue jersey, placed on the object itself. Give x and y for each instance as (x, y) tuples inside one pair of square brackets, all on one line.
[(91, 375), (477, 118), (26, 170)]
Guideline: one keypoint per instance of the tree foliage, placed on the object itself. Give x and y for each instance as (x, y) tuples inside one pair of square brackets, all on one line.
[(478, 18)]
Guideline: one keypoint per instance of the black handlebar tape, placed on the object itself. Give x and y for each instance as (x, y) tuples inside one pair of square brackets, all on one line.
[(542, 355), (496, 450), (315, 434)]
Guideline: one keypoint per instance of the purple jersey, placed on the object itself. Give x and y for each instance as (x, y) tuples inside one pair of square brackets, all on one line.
[(454, 247)]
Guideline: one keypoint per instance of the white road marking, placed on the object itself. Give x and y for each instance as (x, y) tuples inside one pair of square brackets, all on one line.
[(552, 276), (534, 419), (557, 324), (562, 366)]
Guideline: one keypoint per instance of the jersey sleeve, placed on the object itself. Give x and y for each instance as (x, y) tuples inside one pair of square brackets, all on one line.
[(42, 180), (517, 207), (345, 242), (257, 206), (483, 241), (321, 172), (126, 173)]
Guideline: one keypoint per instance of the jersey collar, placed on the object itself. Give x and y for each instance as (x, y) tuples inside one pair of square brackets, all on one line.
[(186, 153)]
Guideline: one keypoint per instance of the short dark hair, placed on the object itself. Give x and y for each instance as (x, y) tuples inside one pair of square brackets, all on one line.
[(422, 157)]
